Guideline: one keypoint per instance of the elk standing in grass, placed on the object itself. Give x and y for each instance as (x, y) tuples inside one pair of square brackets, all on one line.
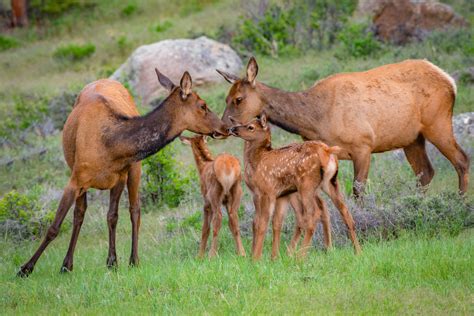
[(272, 174), (104, 139), (220, 185), (393, 106)]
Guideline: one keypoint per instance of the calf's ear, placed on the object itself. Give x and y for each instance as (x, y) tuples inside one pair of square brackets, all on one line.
[(185, 140), (263, 121), (230, 78)]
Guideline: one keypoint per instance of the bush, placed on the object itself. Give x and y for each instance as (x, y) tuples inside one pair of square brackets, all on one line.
[(359, 41), (7, 43), (165, 180), (54, 8), (298, 25), (74, 52), (129, 9), (25, 113), (22, 217), (161, 27)]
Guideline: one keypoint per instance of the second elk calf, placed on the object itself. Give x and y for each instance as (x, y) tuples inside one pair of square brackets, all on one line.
[(220, 185), (273, 174)]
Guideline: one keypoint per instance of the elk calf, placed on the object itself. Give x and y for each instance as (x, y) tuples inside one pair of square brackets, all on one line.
[(220, 185), (272, 174)]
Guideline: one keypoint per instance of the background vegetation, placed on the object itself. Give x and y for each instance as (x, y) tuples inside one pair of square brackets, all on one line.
[(417, 246)]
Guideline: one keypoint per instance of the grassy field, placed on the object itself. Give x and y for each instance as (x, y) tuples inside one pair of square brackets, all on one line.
[(408, 275), (412, 274)]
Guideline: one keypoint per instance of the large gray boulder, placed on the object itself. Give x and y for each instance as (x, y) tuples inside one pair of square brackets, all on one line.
[(201, 57)]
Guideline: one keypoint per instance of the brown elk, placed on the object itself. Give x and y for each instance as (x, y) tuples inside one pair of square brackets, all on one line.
[(393, 106), (272, 174), (220, 185), (104, 139)]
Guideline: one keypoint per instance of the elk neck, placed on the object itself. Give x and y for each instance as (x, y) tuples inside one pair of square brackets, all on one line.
[(143, 136), (254, 150), (288, 110), (202, 155)]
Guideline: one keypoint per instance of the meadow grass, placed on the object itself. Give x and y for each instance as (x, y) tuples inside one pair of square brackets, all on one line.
[(408, 275)]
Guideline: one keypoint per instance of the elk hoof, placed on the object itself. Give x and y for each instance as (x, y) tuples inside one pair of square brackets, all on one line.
[(112, 263), (24, 272), (133, 262), (65, 269)]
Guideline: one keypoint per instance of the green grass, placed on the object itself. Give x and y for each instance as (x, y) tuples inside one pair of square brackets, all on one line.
[(408, 275)]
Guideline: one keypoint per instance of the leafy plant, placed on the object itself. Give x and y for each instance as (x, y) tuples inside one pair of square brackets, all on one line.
[(7, 43), (22, 217), (129, 9), (359, 41), (161, 27), (74, 52), (298, 25), (166, 181)]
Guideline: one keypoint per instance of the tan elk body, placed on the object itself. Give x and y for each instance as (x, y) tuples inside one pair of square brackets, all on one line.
[(220, 185), (392, 106), (104, 139), (273, 174)]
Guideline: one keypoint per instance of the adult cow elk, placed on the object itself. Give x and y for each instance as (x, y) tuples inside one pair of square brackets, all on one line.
[(104, 139), (393, 106)]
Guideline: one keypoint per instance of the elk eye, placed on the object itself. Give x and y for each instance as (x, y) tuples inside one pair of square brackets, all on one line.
[(250, 127), (203, 106), (238, 100)]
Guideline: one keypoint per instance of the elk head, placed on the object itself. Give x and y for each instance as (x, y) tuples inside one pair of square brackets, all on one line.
[(244, 101), (192, 111), (255, 130)]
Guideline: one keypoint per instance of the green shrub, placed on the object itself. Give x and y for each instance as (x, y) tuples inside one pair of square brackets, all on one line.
[(161, 27), (130, 9), (7, 43), (359, 41), (23, 114), (165, 180), (74, 52), (42, 8), (293, 26), (22, 217)]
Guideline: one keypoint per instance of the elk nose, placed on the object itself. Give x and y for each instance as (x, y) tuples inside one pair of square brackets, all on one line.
[(232, 131)]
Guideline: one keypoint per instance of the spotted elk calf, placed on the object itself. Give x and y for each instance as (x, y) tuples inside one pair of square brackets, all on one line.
[(220, 185), (272, 174), (104, 140)]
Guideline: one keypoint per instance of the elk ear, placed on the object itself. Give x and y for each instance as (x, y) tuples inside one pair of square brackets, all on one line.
[(263, 121), (164, 81), (252, 71), (186, 85), (185, 140), (230, 78)]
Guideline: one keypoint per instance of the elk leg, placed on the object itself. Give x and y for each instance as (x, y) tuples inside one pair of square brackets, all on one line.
[(69, 195), (338, 200), (326, 220), (112, 218), (79, 212), (298, 209), (447, 145), (280, 208), (216, 202), (266, 205), (361, 162), (133, 184), (419, 161), (205, 229), (232, 206), (311, 218)]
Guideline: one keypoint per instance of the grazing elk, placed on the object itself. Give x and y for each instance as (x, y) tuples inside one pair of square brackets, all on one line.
[(220, 185), (275, 173), (388, 107), (104, 139)]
